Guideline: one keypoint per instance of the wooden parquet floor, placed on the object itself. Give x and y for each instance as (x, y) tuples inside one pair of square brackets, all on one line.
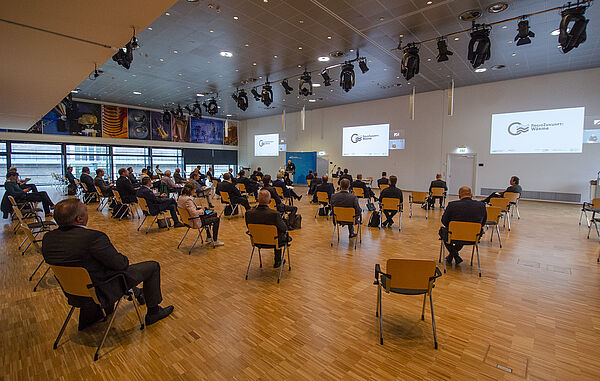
[(536, 310)]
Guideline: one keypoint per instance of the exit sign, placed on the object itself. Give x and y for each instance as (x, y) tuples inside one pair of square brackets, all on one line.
[(461, 150)]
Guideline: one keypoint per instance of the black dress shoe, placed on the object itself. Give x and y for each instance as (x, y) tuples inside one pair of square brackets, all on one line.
[(458, 259), (449, 259), (161, 314), (178, 225), (352, 235)]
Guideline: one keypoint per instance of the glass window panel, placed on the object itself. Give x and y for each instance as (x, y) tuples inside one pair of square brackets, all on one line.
[(137, 162), (130, 150), (99, 150), (3, 164), (93, 162), (166, 152), (220, 169), (35, 148), (167, 163), (38, 167), (2, 147)]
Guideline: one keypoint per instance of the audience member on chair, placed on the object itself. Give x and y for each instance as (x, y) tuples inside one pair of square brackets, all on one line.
[(281, 207), (287, 192), (251, 185), (346, 199), (345, 175), (27, 195), (125, 188), (262, 214), (73, 244), (87, 179), (234, 194), (201, 190), (72, 185), (198, 216), (514, 187), (358, 183), (323, 186), (383, 180), (158, 204), (104, 186), (465, 209), (391, 192), (23, 183), (437, 183)]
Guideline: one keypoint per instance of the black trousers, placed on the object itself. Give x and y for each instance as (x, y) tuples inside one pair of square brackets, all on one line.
[(493, 195), (40, 197), (292, 210), (389, 216), (431, 200), (170, 205), (147, 272), (454, 247), (212, 221), (33, 187), (243, 201)]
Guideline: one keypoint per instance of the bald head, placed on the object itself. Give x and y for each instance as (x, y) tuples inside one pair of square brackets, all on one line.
[(464, 192), (264, 197), (70, 212)]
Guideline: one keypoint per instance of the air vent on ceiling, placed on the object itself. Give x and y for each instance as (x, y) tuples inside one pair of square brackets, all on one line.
[(337, 54), (470, 15), (498, 67), (497, 7)]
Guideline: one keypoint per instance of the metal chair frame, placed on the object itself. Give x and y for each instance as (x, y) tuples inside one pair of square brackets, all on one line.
[(337, 223), (270, 243), (186, 220), (143, 204), (468, 241), (422, 200), (323, 201), (398, 208), (495, 223)]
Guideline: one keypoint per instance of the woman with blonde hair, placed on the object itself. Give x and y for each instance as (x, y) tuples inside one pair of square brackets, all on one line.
[(200, 217)]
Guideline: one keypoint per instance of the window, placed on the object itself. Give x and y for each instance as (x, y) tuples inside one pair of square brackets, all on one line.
[(2, 147), (167, 159), (125, 157), (93, 157), (37, 161), (3, 158)]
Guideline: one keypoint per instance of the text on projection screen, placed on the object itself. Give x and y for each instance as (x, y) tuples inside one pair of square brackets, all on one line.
[(371, 140), (543, 131)]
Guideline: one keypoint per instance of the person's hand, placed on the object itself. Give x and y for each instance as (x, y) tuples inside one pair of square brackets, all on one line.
[(163, 195), (26, 190), (27, 179)]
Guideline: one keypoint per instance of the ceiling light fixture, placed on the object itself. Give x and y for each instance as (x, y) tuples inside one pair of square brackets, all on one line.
[(137, 93), (347, 76), (241, 99), (288, 89), (362, 64), (570, 37), (235, 17), (443, 51), (497, 7), (75, 91), (255, 94), (312, 100), (211, 107), (226, 54), (555, 32), (326, 78), (266, 95), (480, 70), (124, 56), (524, 33), (410, 61), (479, 46), (305, 87), (316, 85), (195, 111), (323, 59)]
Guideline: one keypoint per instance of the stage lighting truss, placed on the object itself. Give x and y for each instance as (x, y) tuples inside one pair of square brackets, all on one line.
[(524, 34), (124, 56), (347, 76), (479, 45), (178, 112), (305, 87), (166, 117), (241, 98), (443, 51), (211, 106), (410, 61), (266, 95), (571, 35)]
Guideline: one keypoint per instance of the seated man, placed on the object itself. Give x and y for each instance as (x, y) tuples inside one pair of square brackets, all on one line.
[(259, 172), (338, 172), (324, 186), (514, 187), (465, 209), (287, 191), (391, 192), (144, 173), (24, 183), (201, 190), (167, 179), (314, 183), (72, 185), (27, 194), (87, 179), (234, 194), (104, 186), (281, 207), (345, 175), (262, 214), (437, 183), (125, 187), (72, 244), (383, 180), (358, 183), (251, 185), (177, 176), (346, 199), (310, 175), (158, 204), (132, 178)]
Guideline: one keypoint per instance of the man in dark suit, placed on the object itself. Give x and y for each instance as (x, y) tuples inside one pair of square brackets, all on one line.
[(234, 194), (158, 204), (259, 172), (383, 179), (287, 192), (125, 187), (104, 186), (514, 187), (86, 179), (72, 186), (250, 184), (391, 192), (345, 175), (281, 207), (314, 183), (132, 177), (465, 209), (262, 214), (323, 186), (72, 244), (346, 199), (437, 183), (358, 183)]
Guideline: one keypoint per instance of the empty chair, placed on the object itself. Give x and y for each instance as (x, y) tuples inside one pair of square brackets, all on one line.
[(33, 241), (493, 219), (503, 204), (146, 212), (76, 281), (390, 204), (407, 277), (594, 220), (37, 226), (264, 236), (345, 216), (323, 200), (419, 198), (466, 233)]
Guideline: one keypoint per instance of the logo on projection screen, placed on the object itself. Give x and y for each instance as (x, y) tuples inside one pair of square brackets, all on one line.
[(355, 138), (262, 143), (517, 128)]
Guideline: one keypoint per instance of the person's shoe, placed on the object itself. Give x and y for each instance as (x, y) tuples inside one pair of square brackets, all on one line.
[(211, 206), (299, 198), (178, 225), (352, 235), (218, 243), (458, 259), (161, 314), (449, 259)]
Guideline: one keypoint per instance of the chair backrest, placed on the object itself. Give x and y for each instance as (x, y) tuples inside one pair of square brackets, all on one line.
[(437, 191), (84, 186), (501, 203), (15, 209), (359, 192), (512, 196), (98, 190), (258, 178), (184, 216), (143, 204), (241, 187), (74, 281), (308, 182), (410, 274), (30, 237), (261, 234), (344, 214), (383, 186), (279, 191), (323, 197), (596, 203), (493, 213), (388, 203), (273, 204), (464, 231), (419, 196), (225, 197), (118, 196), (215, 183)]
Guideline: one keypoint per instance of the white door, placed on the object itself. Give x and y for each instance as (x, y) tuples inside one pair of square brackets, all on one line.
[(460, 172)]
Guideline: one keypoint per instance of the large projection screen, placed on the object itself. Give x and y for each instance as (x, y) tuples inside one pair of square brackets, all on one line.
[(266, 145), (371, 140), (543, 131)]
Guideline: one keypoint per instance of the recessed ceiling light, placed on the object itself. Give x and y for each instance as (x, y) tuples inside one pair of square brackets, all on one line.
[(299, 65), (211, 31), (274, 56), (235, 17), (323, 59), (175, 51), (253, 63), (167, 14), (75, 91), (428, 59), (189, 87), (149, 28), (381, 18), (229, 115), (504, 27), (265, 1), (429, 2), (509, 42), (456, 38), (329, 37), (497, 7), (316, 85), (514, 54), (199, 95), (161, 60), (299, 47), (133, 75), (301, 21), (226, 54), (137, 93), (351, 50), (480, 70), (312, 100), (470, 15), (555, 32), (246, 45)]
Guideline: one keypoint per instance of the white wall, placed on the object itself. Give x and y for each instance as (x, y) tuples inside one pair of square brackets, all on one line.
[(433, 134)]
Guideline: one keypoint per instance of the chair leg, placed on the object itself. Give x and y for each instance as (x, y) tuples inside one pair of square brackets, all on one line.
[(498, 232), (112, 318), (443, 255), (281, 265), (399, 221), (251, 256), (472, 253), (508, 219), (517, 210), (62, 330), (144, 220), (137, 310), (410, 210), (423, 309), (182, 238), (433, 322), (478, 262), (36, 269), (335, 227), (152, 223), (194, 244), (259, 258), (380, 318), (41, 279)]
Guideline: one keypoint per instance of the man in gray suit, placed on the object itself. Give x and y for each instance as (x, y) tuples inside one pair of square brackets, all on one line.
[(347, 199)]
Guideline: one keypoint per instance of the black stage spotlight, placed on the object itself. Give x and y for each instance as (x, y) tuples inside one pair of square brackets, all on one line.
[(479, 46), (287, 87), (166, 117), (347, 76), (523, 33), (570, 38), (410, 61), (211, 107), (305, 87), (124, 56), (326, 78), (195, 110), (255, 94), (266, 94), (178, 112), (443, 51), (241, 99), (362, 64)]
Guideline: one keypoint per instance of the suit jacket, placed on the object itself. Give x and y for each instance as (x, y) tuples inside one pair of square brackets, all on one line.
[(346, 199), (359, 184), (391, 192), (438, 184), (80, 247), (345, 176), (250, 184), (514, 188), (169, 181), (104, 186), (467, 210), (274, 194), (281, 184), (226, 186), (262, 214), (383, 180), (13, 189), (88, 181), (152, 200), (178, 178), (326, 187), (70, 178), (126, 190)]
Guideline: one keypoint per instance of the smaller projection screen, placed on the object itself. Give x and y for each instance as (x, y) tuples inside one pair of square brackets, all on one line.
[(372, 140), (543, 131), (266, 145)]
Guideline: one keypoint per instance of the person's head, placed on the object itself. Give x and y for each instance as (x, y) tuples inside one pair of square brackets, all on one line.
[(12, 176), (227, 176), (149, 167), (69, 169), (167, 173), (310, 171), (266, 180), (157, 165), (177, 170), (147, 181), (383, 174), (130, 169), (279, 176), (324, 179), (12, 169), (345, 184), (359, 176), (85, 170), (123, 172), (393, 181), (438, 176), (189, 189), (514, 180), (144, 170), (100, 172), (230, 170), (242, 173), (264, 197), (258, 169), (70, 212), (345, 171), (464, 192), (194, 176), (339, 168), (289, 162)]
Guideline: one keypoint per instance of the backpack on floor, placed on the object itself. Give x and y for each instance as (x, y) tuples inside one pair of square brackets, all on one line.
[(371, 206), (297, 222), (374, 219), (323, 210), (229, 210), (163, 223)]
